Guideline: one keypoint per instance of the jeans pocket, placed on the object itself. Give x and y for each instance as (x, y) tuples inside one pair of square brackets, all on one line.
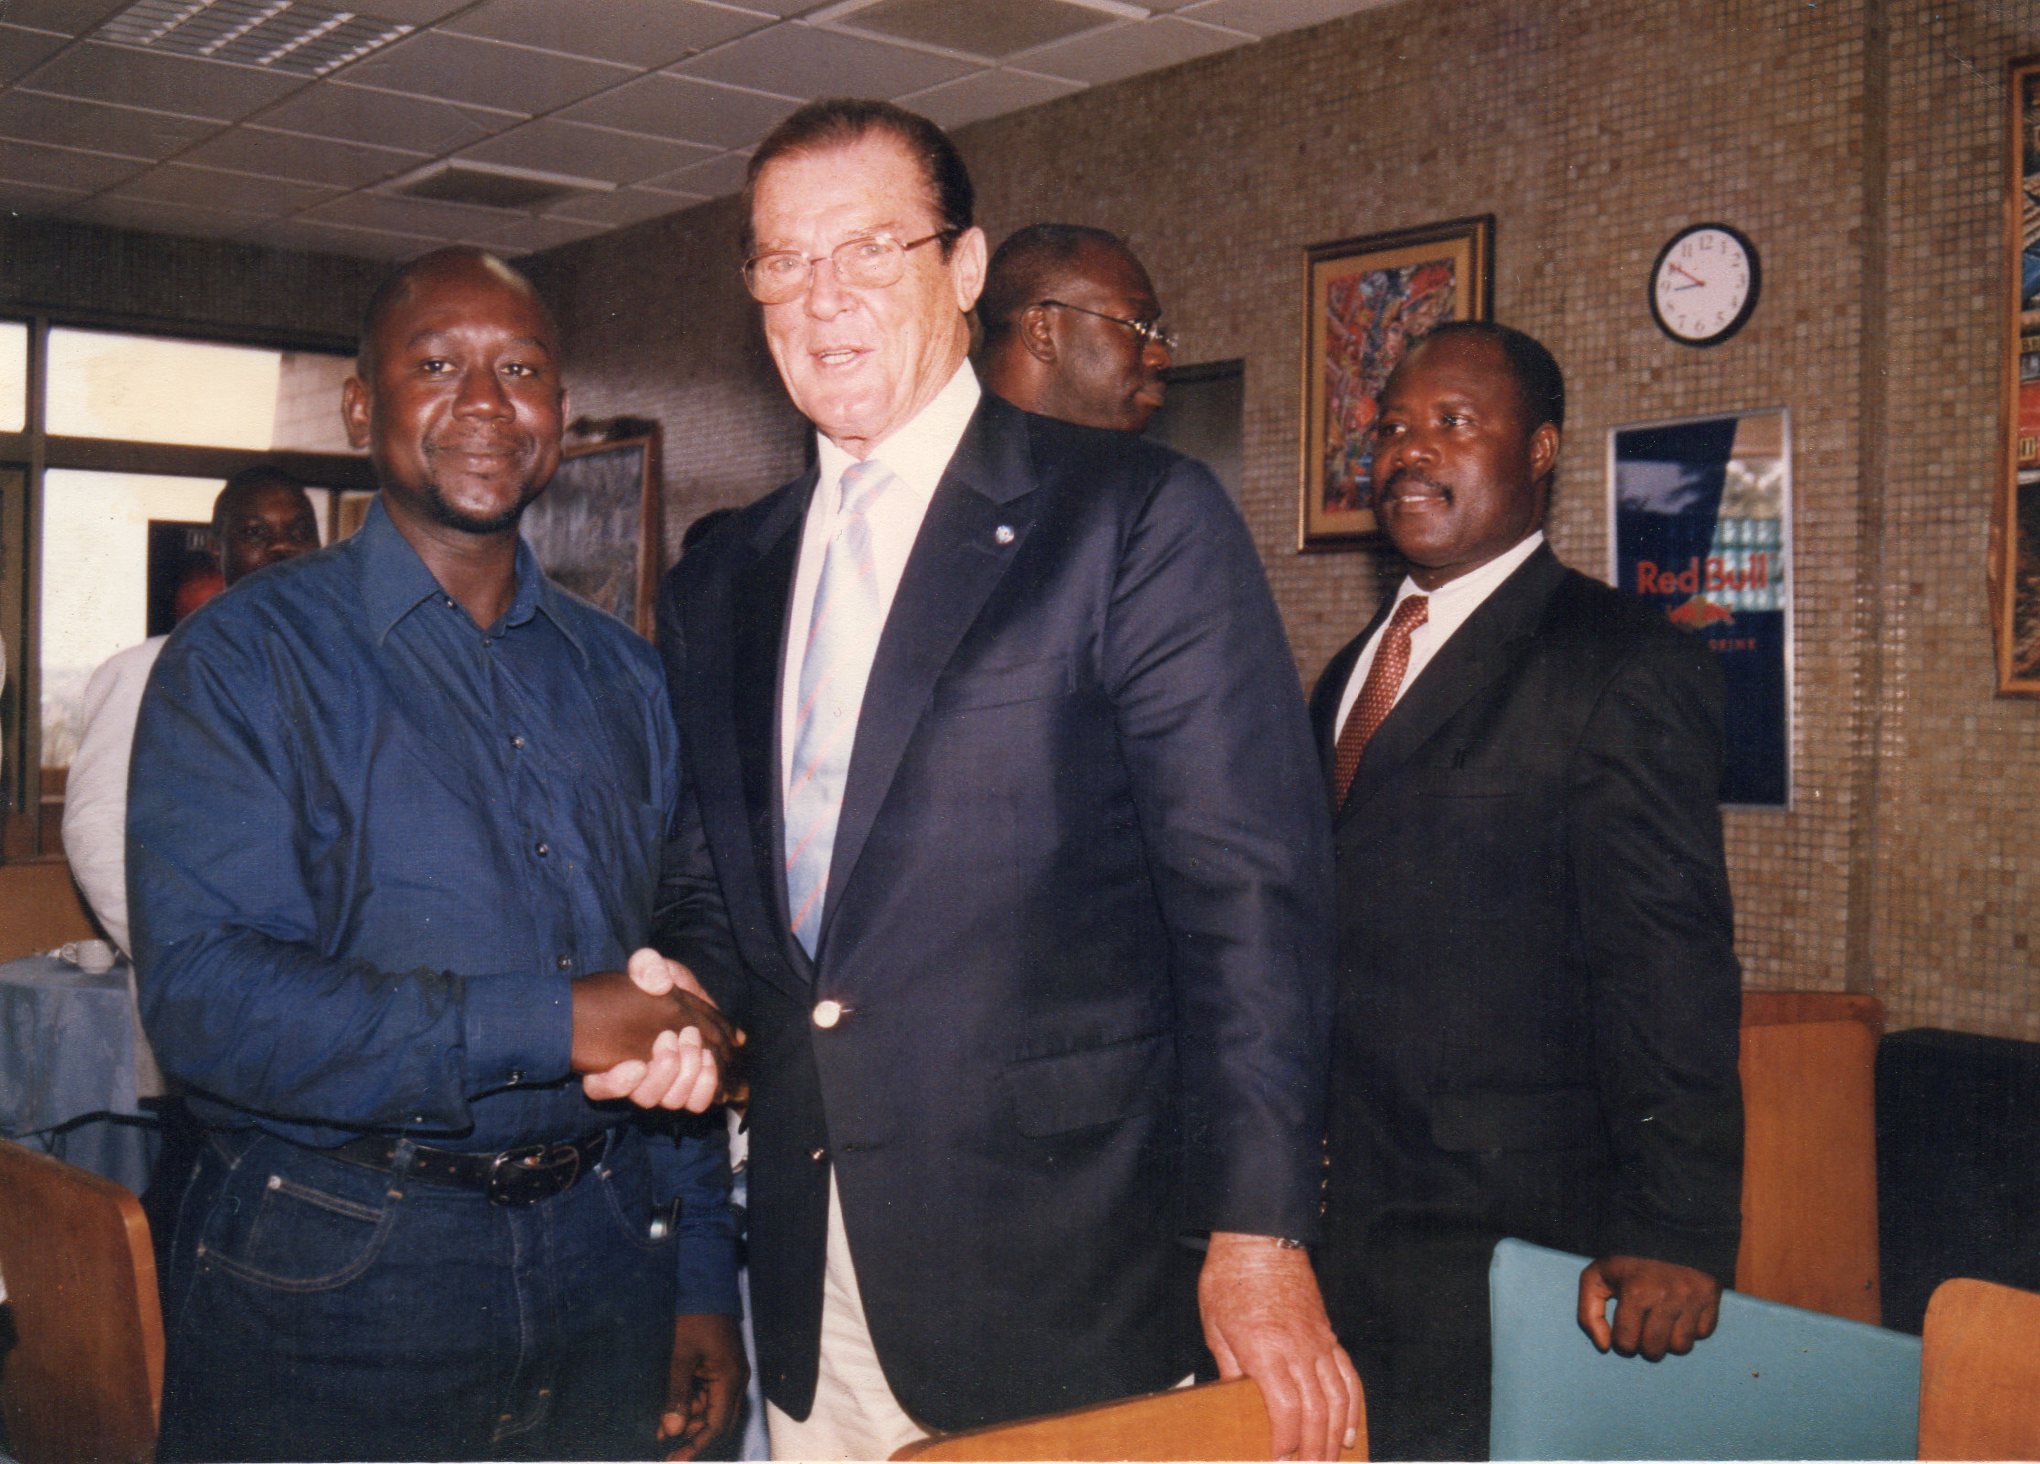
[(303, 1232), (625, 1179)]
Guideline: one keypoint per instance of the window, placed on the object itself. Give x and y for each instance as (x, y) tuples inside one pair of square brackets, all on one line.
[(135, 434)]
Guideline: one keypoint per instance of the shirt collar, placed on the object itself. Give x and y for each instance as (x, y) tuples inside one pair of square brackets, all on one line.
[(395, 581), (919, 452), (1475, 585)]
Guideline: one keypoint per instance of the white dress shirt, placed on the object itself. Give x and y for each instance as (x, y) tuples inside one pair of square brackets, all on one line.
[(918, 454), (1450, 605), (95, 810)]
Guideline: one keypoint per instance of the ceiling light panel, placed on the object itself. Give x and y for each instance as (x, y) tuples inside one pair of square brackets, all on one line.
[(991, 32), (279, 35)]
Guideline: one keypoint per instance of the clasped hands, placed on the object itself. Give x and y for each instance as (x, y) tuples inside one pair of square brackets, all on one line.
[(649, 1033)]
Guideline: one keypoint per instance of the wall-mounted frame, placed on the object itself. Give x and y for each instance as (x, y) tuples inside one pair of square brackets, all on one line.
[(596, 529), (1700, 524), (1364, 301), (2015, 527)]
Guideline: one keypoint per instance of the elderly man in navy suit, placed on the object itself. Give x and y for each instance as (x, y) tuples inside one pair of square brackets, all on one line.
[(1011, 857)]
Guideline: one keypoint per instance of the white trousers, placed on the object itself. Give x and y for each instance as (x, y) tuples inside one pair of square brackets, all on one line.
[(855, 1415)]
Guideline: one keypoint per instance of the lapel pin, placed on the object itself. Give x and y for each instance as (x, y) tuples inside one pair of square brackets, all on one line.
[(1003, 533)]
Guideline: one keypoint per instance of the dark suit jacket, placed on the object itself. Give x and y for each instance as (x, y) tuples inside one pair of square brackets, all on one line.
[(1078, 911), (1538, 994)]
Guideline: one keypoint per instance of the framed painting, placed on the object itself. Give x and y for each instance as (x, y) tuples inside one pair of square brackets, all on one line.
[(2015, 527), (1364, 301), (596, 529)]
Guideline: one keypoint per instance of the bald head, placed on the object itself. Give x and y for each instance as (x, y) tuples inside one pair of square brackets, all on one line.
[(401, 286), (1062, 312)]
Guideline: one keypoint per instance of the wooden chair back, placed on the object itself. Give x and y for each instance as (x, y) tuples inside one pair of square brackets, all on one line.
[(1980, 1373), (83, 1376), (1212, 1421), (1809, 1074)]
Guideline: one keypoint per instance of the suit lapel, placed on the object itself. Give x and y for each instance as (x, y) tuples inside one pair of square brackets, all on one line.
[(1481, 650), (760, 594), (957, 561)]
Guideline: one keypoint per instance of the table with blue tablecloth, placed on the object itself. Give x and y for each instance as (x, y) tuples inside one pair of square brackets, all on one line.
[(68, 1068)]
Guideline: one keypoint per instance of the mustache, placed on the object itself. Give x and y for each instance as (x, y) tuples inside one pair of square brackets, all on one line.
[(1401, 477)]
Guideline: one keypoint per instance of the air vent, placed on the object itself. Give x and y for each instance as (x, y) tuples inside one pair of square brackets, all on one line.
[(491, 185), (280, 35), (986, 32)]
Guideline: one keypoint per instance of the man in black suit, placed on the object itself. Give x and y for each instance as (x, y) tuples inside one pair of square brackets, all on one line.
[(1011, 857), (1538, 993)]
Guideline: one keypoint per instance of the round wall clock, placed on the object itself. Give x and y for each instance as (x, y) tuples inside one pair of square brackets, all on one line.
[(1704, 284)]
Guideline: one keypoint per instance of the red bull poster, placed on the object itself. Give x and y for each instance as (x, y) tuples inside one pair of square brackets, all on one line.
[(1701, 519)]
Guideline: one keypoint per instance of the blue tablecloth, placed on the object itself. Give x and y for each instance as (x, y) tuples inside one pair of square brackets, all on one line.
[(67, 1068)]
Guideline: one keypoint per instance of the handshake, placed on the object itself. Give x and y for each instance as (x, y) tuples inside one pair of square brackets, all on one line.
[(649, 1033)]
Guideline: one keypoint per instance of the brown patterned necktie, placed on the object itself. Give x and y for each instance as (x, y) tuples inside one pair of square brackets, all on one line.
[(1377, 693)]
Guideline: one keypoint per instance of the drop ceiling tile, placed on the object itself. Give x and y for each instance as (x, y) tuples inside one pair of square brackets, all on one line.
[(153, 217), (784, 8), (639, 35), (303, 234), (21, 49), (302, 159), (802, 61), (35, 199), (485, 73), (712, 179), (33, 118), (1129, 50), (63, 167), (408, 215), (1272, 17), (623, 207), (527, 236), (72, 17), (663, 105), (986, 94), (553, 146), (334, 109), (121, 74), (210, 188), (411, 12)]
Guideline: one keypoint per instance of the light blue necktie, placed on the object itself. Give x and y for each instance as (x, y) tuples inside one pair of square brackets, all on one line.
[(842, 638)]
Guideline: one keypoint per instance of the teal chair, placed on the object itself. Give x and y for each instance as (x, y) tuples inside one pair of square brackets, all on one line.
[(1773, 1382)]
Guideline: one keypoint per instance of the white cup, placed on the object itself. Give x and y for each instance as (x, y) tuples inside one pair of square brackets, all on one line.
[(94, 956)]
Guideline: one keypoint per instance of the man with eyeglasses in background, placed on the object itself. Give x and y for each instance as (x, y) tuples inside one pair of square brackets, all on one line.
[(1008, 856), (1072, 328)]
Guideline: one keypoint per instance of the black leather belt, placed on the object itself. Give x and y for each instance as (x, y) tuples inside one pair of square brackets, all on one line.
[(521, 1176)]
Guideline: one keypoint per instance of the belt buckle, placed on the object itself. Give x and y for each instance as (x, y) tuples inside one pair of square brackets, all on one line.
[(535, 1172)]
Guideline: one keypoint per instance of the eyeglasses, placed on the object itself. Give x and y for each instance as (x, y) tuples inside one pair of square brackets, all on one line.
[(868, 262), (1151, 332)]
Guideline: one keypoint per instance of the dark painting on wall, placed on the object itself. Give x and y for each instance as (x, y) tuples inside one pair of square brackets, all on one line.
[(596, 528), (182, 572)]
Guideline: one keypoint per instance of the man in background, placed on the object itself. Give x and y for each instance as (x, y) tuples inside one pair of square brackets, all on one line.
[(1538, 991), (1072, 328), (1010, 857), (261, 517), (396, 825)]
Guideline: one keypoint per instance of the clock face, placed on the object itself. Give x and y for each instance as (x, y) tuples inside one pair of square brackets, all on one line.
[(1704, 284)]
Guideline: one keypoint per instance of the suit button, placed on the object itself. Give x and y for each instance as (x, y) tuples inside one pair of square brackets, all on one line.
[(828, 1013)]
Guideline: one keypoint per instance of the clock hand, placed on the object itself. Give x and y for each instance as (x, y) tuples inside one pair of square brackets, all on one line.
[(1674, 264)]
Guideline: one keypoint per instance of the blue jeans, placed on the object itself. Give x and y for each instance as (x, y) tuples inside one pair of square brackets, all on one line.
[(316, 1309)]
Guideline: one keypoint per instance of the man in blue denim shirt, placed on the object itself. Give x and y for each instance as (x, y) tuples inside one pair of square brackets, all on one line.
[(395, 831)]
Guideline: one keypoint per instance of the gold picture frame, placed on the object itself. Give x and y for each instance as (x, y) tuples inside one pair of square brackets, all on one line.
[(1364, 300), (2014, 575)]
